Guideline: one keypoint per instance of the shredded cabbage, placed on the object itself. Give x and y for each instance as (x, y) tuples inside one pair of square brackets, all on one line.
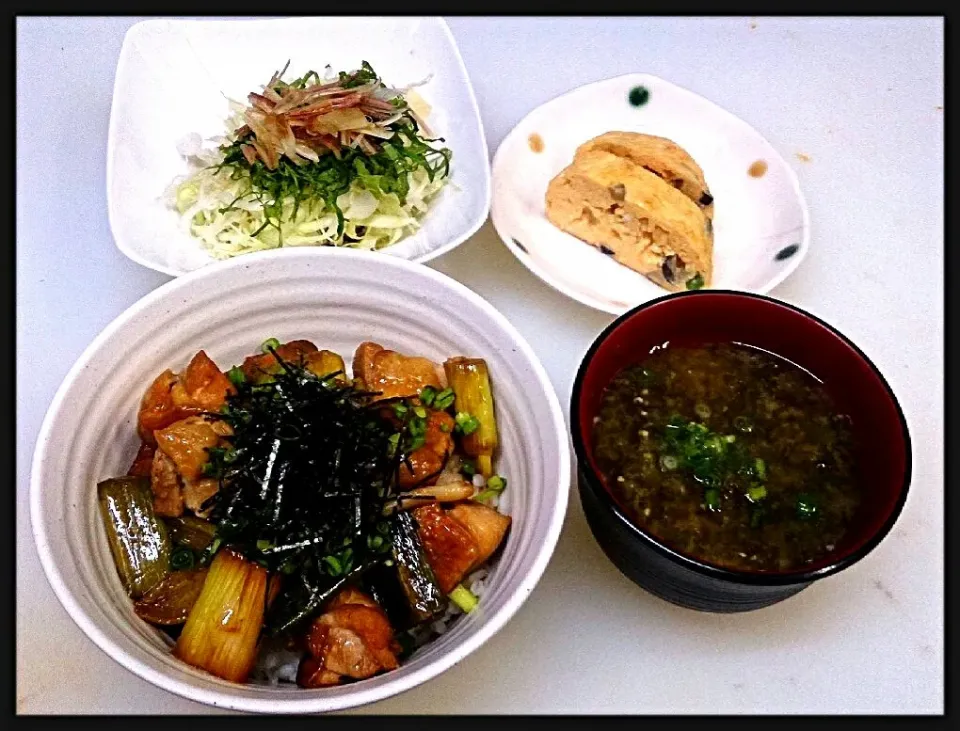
[(218, 209)]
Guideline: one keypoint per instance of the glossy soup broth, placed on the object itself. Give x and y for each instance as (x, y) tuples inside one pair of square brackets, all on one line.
[(729, 454)]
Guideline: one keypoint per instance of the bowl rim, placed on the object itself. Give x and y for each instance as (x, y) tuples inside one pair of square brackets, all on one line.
[(588, 475), (483, 212), (588, 300), (226, 698)]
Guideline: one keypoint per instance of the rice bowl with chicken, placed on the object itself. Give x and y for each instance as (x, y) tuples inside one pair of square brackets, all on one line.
[(338, 299), (285, 521)]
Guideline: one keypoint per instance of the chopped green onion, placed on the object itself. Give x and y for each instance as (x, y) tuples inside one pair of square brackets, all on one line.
[(730, 438), (695, 282), (181, 559), (394, 441), (760, 467), (236, 376), (757, 493), (467, 468), (806, 507), (417, 442), (288, 568), (466, 423), (711, 499), (743, 424), (702, 410), (496, 482), (334, 568), (420, 412), (464, 598), (270, 343), (495, 485), (445, 428), (427, 395), (444, 399), (669, 462), (263, 544), (400, 408)]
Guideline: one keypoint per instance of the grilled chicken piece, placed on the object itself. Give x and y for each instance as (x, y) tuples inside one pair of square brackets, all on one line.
[(184, 444), (392, 374), (202, 385), (351, 639), (143, 462), (486, 525), (258, 367), (156, 408), (451, 549), (427, 461), (166, 487), (171, 397), (196, 493), (460, 539)]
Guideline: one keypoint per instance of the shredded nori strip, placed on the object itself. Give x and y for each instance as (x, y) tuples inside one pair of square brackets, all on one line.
[(304, 483)]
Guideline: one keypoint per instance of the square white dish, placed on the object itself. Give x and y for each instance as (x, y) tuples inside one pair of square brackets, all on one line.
[(761, 223), (174, 78)]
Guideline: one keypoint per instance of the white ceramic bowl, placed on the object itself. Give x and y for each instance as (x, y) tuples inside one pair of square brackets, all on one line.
[(337, 299), (174, 78), (761, 225)]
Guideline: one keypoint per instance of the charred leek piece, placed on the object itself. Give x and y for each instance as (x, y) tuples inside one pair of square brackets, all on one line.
[(221, 633), (470, 381), (192, 532), (383, 584), (138, 539), (416, 577), (170, 601)]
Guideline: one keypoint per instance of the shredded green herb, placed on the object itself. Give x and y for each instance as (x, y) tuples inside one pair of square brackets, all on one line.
[(383, 171)]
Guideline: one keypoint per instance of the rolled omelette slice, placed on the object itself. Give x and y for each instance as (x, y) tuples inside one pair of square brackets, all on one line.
[(634, 216), (662, 157)]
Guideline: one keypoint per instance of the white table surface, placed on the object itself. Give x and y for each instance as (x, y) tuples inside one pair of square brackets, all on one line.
[(860, 97)]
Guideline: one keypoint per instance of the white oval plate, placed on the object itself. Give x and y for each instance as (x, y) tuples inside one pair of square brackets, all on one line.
[(174, 78), (761, 224)]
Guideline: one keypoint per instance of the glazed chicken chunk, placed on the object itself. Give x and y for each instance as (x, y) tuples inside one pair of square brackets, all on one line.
[(175, 436), (177, 477), (351, 639), (394, 375), (424, 464), (172, 397), (460, 539)]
